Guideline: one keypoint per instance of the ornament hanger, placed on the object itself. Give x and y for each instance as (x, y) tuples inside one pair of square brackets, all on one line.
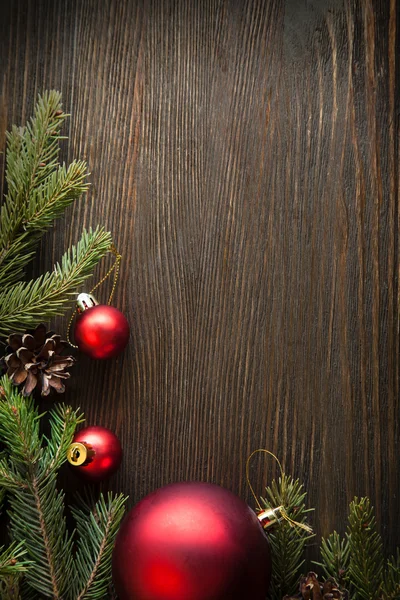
[(115, 267), (270, 516)]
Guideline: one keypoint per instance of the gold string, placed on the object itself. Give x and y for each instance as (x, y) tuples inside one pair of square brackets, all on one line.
[(248, 475), (294, 523), (115, 267), (281, 509)]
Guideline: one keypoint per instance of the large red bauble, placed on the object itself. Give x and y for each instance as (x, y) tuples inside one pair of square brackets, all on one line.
[(101, 331), (104, 451), (191, 541)]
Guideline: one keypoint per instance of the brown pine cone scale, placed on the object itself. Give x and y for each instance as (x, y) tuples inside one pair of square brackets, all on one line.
[(34, 359), (312, 589)]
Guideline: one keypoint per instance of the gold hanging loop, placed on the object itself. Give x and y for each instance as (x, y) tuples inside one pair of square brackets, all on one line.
[(272, 515), (115, 267)]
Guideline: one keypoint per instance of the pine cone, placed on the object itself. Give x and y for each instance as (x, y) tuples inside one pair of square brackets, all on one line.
[(35, 360), (311, 589)]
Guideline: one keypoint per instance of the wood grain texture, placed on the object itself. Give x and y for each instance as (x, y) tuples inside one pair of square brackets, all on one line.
[(245, 156)]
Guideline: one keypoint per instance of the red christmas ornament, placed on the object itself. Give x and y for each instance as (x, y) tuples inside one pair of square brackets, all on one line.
[(95, 453), (191, 541), (101, 331)]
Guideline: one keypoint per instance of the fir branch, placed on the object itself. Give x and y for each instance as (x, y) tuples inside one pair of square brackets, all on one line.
[(25, 304), (13, 564), (13, 560), (36, 507), (287, 543), (9, 479), (37, 517), (46, 202), (365, 572), (32, 153), (19, 427), (391, 584), (63, 422), (335, 557), (97, 530)]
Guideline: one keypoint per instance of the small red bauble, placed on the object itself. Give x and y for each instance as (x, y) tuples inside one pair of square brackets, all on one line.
[(95, 453), (101, 331), (191, 541)]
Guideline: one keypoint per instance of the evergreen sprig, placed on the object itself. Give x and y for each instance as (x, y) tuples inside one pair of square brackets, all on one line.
[(31, 160), (13, 564), (365, 572), (357, 561), (97, 530), (391, 586), (287, 542), (39, 189), (36, 507), (23, 305), (37, 518), (335, 555)]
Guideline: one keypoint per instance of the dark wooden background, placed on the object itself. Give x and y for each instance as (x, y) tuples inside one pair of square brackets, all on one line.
[(245, 156)]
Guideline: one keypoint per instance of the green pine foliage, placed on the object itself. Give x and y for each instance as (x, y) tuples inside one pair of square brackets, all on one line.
[(62, 565), (391, 586), (335, 554), (287, 542), (39, 189), (13, 564), (357, 561), (97, 530), (23, 305), (365, 572)]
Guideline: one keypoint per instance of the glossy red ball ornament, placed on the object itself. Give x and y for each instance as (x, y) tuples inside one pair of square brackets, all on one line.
[(191, 541), (101, 331), (95, 453)]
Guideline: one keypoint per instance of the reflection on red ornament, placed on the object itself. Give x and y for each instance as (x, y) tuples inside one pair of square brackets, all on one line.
[(191, 541)]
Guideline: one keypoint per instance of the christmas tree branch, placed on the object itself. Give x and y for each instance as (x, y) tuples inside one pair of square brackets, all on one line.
[(19, 428), (37, 508), (365, 572), (32, 156), (46, 202), (24, 304), (287, 543), (392, 580), (9, 480), (335, 557), (13, 564), (63, 422), (97, 531), (46, 531)]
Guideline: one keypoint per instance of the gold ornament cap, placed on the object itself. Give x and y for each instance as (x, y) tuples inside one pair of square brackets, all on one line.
[(85, 301), (270, 516), (79, 454)]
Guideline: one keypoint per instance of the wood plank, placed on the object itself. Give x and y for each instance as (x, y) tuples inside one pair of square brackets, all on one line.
[(245, 156)]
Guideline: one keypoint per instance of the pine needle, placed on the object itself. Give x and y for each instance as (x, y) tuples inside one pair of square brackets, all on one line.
[(97, 530), (23, 305), (29, 474), (39, 190), (335, 554), (392, 580), (31, 170), (13, 565), (45, 203), (13, 560), (365, 571), (287, 543)]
